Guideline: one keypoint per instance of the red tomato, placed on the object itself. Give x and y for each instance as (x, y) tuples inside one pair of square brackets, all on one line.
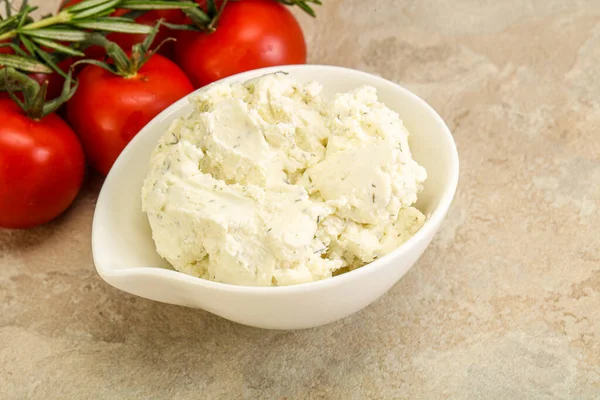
[(107, 110), (127, 40), (41, 167), (250, 34)]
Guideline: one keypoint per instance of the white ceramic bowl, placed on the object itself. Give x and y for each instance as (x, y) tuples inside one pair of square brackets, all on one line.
[(126, 258)]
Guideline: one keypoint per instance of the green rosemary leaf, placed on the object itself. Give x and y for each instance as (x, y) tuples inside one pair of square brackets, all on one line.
[(105, 13), (58, 47), (9, 23), (156, 4), (108, 24), (47, 58), (65, 35), (119, 19), (84, 5), (28, 44), (23, 64), (23, 16), (93, 11)]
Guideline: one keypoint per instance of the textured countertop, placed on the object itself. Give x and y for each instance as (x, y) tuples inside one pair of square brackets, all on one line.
[(505, 304)]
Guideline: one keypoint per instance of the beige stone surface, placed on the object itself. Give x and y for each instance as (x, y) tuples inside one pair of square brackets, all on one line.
[(505, 304)]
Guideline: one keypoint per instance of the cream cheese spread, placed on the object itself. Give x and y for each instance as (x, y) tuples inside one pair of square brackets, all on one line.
[(268, 183)]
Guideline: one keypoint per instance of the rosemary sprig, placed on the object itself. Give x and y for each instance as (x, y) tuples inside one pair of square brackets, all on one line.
[(37, 46), (89, 14), (44, 39)]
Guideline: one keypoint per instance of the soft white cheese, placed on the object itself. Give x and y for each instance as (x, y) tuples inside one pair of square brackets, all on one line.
[(267, 183)]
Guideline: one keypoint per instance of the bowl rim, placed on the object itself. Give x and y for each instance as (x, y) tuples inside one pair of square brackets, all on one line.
[(431, 223)]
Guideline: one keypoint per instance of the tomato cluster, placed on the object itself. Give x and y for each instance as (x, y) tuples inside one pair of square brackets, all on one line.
[(42, 160)]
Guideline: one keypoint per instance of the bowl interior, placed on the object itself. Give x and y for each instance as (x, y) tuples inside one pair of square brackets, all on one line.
[(121, 236)]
